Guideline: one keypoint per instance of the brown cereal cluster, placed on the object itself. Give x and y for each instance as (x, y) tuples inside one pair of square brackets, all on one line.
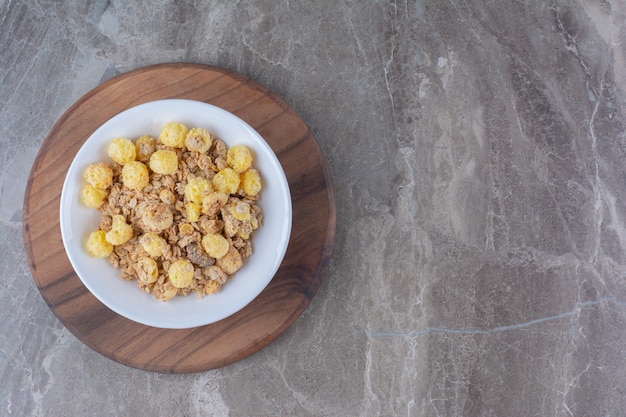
[(178, 212)]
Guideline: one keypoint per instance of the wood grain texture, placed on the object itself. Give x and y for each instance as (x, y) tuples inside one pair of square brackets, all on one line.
[(252, 328)]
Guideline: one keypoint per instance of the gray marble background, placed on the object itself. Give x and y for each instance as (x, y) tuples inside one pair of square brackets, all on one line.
[(477, 150)]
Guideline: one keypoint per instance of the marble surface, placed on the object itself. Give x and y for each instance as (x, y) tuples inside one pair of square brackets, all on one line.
[(477, 149)]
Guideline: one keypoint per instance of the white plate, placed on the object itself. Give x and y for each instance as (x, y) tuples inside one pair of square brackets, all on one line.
[(269, 243)]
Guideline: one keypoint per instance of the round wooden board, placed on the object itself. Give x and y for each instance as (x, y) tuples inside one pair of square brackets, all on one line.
[(240, 335)]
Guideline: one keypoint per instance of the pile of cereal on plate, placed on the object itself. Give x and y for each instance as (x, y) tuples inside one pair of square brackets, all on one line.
[(177, 213)]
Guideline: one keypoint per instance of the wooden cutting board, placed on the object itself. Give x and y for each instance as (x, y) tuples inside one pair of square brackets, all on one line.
[(240, 335)]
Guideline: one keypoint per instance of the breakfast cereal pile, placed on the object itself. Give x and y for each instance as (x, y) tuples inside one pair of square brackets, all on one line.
[(178, 212)]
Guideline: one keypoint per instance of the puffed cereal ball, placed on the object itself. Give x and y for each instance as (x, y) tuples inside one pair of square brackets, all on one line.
[(93, 197), (164, 162), (152, 243), (173, 134), (196, 189), (99, 175), (122, 151), (157, 217), (239, 158), (198, 140), (97, 245), (147, 270), (251, 182), (240, 210), (215, 245), (120, 232), (226, 181), (193, 211), (213, 202), (231, 262), (144, 147), (181, 273), (135, 175)]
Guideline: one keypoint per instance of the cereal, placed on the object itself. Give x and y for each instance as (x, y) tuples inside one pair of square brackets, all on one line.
[(156, 217), (240, 210), (227, 181), (251, 182), (147, 270), (120, 232), (164, 162), (178, 213), (145, 146), (93, 197), (97, 244), (193, 212), (99, 175), (152, 243), (173, 134), (215, 245), (239, 158), (122, 151), (135, 175), (198, 140), (231, 262), (196, 189), (181, 273), (213, 202)]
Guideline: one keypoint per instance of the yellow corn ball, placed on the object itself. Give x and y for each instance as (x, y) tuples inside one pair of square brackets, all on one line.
[(122, 151), (97, 245), (193, 211), (251, 182), (144, 147), (93, 197), (196, 188), (135, 175), (239, 158), (99, 175), (231, 262), (157, 217), (240, 210), (198, 140), (226, 181), (120, 232), (164, 162), (152, 243), (213, 202), (215, 245), (173, 134), (147, 270), (181, 273)]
